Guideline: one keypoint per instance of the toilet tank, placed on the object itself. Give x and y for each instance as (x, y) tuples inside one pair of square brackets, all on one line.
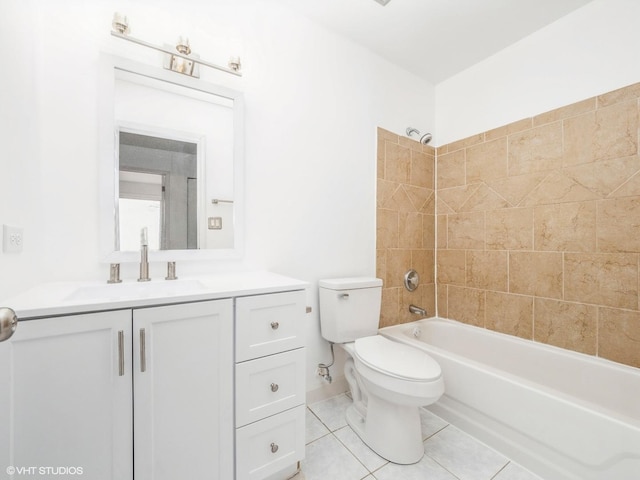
[(349, 308)]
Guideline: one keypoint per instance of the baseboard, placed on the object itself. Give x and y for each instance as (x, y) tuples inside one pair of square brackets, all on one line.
[(336, 387)]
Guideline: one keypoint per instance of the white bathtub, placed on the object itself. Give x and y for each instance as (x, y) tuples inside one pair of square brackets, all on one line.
[(563, 415)]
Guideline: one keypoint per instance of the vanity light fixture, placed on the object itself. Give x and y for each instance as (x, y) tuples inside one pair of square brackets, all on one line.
[(178, 63), (178, 60)]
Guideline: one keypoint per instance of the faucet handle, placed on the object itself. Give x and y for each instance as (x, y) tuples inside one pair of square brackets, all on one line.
[(114, 273), (171, 271), (411, 280)]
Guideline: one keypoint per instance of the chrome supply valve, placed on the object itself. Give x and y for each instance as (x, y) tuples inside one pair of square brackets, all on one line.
[(323, 371)]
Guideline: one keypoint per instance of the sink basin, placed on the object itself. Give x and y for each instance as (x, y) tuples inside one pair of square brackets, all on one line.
[(152, 289)]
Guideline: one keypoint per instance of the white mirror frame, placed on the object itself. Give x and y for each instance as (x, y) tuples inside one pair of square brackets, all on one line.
[(108, 167)]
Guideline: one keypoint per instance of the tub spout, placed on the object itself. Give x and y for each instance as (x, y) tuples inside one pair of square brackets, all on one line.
[(417, 310)]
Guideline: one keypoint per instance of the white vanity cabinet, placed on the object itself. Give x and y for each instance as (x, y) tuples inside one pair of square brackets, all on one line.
[(270, 384), (207, 383), (65, 397), (183, 391), (71, 381)]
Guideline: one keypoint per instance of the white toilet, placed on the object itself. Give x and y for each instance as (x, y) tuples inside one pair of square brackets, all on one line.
[(389, 381)]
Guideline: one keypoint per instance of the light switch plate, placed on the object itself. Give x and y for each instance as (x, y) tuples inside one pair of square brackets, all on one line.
[(11, 239), (215, 223)]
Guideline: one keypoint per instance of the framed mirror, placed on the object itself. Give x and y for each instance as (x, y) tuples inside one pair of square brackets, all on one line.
[(171, 161)]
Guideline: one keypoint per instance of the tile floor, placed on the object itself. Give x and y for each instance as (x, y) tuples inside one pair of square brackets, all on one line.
[(335, 452)]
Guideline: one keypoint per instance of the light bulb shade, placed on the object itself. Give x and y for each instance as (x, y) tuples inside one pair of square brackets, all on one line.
[(120, 23), (183, 46)]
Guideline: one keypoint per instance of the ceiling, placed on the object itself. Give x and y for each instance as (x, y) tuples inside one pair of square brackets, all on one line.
[(435, 39)]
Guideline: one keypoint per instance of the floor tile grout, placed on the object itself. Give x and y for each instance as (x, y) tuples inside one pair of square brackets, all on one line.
[(330, 414), (354, 454), (435, 433), (498, 472)]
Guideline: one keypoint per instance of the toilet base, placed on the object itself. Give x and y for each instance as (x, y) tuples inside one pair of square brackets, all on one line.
[(390, 430)]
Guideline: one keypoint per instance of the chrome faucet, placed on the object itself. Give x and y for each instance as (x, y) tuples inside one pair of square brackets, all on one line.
[(144, 259), (417, 310)]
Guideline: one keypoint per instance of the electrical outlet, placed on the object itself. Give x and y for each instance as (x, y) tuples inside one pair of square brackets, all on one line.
[(12, 239)]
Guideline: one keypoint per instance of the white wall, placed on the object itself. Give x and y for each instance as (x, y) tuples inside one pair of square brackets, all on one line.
[(313, 102), (591, 51), (20, 199)]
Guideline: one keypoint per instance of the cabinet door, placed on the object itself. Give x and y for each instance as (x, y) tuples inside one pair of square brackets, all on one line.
[(183, 391), (65, 397)]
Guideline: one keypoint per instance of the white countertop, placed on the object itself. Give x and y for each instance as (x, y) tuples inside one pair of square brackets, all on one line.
[(64, 298)]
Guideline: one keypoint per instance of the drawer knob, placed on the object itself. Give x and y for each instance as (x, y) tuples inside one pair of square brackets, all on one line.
[(274, 387), (274, 448), (275, 325)]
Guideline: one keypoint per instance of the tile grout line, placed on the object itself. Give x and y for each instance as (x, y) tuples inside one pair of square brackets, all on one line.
[(498, 472), (436, 461), (435, 433), (323, 424), (369, 472)]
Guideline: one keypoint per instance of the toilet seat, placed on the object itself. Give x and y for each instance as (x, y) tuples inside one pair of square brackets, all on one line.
[(397, 360)]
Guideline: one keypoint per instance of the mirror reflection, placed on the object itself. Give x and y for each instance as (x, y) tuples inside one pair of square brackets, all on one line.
[(158, 189)]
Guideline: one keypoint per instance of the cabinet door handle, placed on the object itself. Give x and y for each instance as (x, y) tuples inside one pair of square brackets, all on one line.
[(274, 387), (274, 448), (120, 353), (275, 325), (143, 351)]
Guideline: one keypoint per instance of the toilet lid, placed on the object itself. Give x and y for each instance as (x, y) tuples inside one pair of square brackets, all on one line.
[(396, 358)]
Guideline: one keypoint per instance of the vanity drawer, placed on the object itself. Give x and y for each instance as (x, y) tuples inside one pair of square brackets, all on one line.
[(269, 385), (270, 445), (268, 324)]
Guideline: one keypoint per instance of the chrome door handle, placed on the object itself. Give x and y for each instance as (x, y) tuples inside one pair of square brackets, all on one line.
[(274, 447), (143, 351), (8, 323), (275, 325), (274, 387), (121, 353)]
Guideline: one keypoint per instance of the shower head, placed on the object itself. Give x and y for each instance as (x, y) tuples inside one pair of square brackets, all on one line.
[(424, 139)]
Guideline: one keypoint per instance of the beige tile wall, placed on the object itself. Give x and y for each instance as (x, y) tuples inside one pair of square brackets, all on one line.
[(405, 225), (538, 228)]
